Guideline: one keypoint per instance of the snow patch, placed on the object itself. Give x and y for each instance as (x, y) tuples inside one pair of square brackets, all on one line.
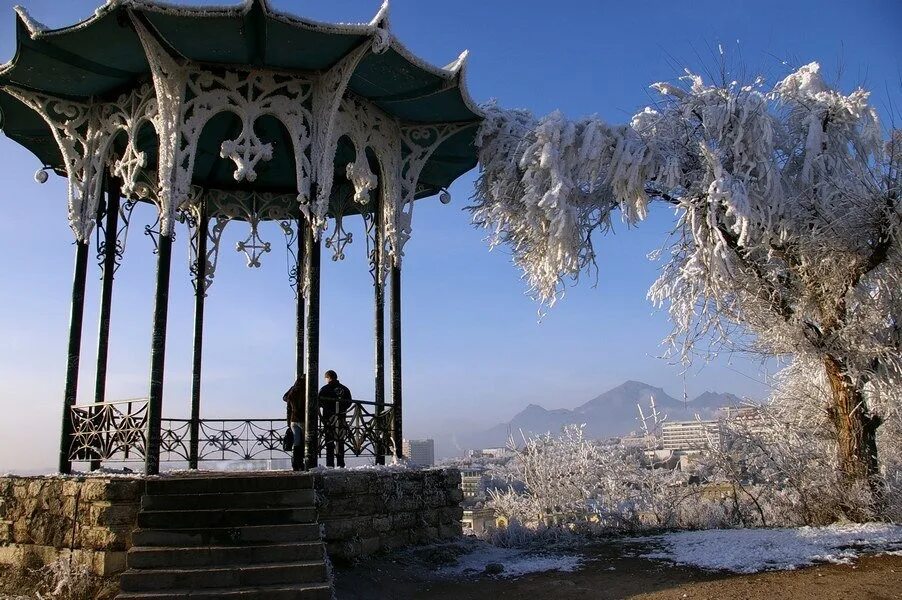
[(753, 550), (516, 562), (33, 25)]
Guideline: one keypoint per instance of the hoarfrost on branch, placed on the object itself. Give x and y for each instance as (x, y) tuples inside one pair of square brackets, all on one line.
[(788, 222)]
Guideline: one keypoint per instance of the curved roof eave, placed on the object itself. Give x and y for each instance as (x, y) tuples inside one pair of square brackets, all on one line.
[(378, 25)]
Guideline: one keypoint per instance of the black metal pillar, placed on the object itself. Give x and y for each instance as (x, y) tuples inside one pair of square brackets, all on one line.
[(379, 286), (76, 317), (311, 417), (106, 293), (303, 232), (396, 424), (157, 356), (200, 296)]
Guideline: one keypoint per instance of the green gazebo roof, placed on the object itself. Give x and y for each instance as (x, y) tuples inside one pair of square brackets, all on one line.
[(102, 57)]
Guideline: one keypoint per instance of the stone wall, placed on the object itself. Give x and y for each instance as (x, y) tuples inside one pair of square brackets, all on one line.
[(88, 518), (92, 519), (365, 511)]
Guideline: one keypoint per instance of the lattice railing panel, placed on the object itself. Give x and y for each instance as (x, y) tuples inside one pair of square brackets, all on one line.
[(109, 431)]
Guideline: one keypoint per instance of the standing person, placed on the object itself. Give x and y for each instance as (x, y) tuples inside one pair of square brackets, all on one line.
[(335, 400), (294, 405)]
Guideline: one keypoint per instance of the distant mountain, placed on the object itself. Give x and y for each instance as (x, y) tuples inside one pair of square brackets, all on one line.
[(610, 414)]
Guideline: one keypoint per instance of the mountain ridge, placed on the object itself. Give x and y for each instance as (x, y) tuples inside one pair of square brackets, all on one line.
[(611, 413)]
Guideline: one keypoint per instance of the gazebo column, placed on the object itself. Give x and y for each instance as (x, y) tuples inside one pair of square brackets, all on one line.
[(108, 253), (303, 232), (396, 423), (200, 295), (312, 251), (379, 286), (158, 355), (76, 317)]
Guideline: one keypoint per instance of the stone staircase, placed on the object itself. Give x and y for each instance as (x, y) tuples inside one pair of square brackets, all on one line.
[(228, 536)]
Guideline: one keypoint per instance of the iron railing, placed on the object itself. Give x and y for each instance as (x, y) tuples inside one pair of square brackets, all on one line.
[(223, 439), (361, 427), (109, 431), (116, 432)]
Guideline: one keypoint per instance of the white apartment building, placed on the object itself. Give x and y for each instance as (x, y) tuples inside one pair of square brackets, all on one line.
[(689, 436)]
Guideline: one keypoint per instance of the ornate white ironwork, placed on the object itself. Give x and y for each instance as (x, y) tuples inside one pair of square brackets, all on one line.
[(316, 112), (129, 114), (76, 131), (368, 129), (248, 94), (251, 207), (420, 141), (169, 79), (328, 92)]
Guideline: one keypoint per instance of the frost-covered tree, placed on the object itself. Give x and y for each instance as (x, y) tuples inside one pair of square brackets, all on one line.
[(788, 229)]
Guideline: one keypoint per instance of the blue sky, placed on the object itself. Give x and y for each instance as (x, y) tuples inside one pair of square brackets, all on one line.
[(474, 352)]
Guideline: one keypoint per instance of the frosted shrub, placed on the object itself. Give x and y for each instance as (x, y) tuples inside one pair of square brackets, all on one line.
[(571, 484), (64, 580)]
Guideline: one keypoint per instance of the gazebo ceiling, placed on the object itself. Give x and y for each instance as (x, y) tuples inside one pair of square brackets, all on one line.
[(102, 57)]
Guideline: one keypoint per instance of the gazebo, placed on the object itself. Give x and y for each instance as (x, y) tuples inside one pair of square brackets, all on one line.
[(141, 102)]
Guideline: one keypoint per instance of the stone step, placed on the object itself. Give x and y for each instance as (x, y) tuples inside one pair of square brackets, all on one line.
[(228, 536), (137, 580), (314, 591), (179, 519), (267, 499), (219, 484), (202, 556)]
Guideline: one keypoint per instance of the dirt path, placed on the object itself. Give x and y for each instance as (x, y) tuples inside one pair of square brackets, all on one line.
[(608, 574)]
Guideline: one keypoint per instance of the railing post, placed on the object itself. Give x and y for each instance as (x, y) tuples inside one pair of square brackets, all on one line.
[(200, 295), (76, 317), (108, 253), (397, 433), (379, 285), (158, 355), (312, 252)]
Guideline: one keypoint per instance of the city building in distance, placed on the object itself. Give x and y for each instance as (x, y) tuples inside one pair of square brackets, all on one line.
[(420, 452)]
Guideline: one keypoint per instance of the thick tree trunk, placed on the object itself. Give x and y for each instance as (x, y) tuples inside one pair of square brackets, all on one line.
[(856, 432)]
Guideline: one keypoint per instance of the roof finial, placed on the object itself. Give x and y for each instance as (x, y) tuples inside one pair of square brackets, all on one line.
[(381, 34), (458, 63), (33, 26), (381, 18)]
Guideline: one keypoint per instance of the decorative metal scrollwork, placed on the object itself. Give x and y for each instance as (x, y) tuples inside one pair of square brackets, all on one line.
[(357, 426), (115, 431), (126, 207), (109, 430), (224, 439), (339, 237), (369, 224), (253, 245), (294, 266)]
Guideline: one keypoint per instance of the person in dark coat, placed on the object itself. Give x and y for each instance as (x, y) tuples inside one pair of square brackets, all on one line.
[(335, 401), (294, 406)]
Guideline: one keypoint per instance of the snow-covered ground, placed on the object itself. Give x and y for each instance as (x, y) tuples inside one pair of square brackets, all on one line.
[(516, 562), (753, 550)]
